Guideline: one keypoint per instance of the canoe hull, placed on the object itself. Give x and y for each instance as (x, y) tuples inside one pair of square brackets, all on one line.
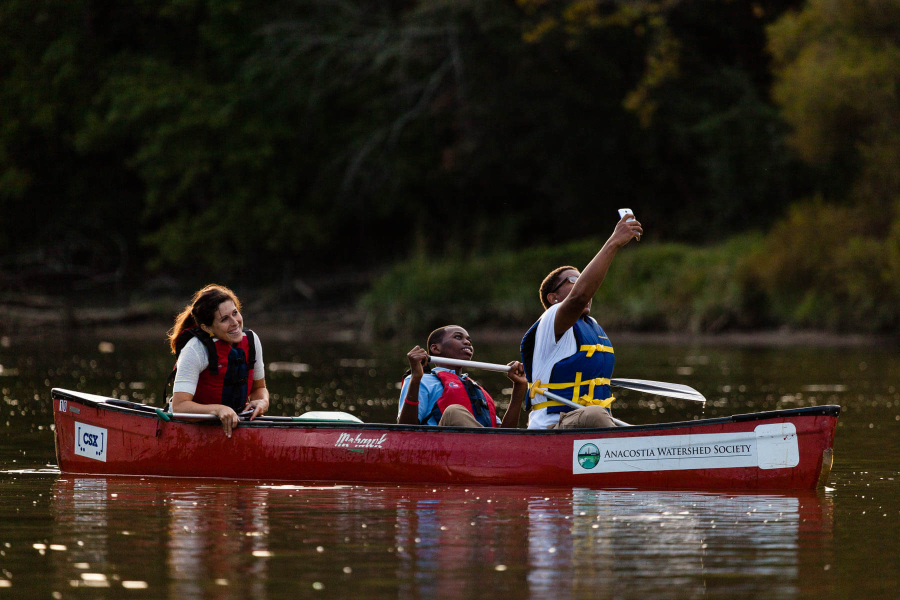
[(774, 450)]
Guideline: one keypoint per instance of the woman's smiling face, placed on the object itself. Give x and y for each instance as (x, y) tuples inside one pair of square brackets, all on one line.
[(228, 324), (456, 343)]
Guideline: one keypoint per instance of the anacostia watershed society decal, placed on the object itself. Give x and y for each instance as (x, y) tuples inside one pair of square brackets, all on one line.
[(767, 447)]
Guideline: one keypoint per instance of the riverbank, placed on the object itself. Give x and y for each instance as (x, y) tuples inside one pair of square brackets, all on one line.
[(653, 294), (348, 324), (746, 283)]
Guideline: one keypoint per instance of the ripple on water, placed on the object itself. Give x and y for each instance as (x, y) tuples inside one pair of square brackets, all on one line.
[(186, 537)]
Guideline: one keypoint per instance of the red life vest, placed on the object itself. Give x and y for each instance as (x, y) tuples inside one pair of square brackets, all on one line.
[(228, 379), (469, 394), (230, 384)]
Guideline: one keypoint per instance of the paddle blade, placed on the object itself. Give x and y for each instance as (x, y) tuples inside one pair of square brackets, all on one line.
[(660, 388)]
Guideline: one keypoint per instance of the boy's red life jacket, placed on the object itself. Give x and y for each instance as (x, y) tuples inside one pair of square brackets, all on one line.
[(227, 379), (469, 394)]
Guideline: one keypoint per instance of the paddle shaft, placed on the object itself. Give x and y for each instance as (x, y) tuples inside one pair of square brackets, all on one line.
[(209, 417), (198, 416), (657, 388), (453, 362), (553, 396)]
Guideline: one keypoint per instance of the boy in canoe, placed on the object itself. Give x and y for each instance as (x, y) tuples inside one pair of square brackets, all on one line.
[(448, 397), (567, 352)]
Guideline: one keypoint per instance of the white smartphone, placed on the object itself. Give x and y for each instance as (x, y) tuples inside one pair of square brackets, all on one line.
[(626, 211)]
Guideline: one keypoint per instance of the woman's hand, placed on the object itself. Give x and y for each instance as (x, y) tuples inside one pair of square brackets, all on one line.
[(182, 402), (259, 406), (228, 417), (517, 373), (417, 358), (626, 230)]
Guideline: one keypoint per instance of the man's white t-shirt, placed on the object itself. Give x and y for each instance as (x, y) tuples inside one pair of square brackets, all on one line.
[(547, 352), (194, 359)]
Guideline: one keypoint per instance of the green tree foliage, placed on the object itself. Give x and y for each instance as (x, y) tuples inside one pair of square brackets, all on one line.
[(233, 139), (650, 286), (838, 71), (821, 268), (217, 167), (712, 145), (833, 262), (63, 211)]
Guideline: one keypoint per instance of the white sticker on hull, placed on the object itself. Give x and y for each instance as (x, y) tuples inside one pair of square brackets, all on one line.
[(767, 447), (90, 441)]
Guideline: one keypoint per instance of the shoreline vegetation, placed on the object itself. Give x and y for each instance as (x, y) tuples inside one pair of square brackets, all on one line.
[(800, 277), (300, 154), (738, 292)]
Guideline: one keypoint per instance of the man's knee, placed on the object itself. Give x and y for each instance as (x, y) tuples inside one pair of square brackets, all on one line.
[(589, 417), (598, 416), (457, 415)]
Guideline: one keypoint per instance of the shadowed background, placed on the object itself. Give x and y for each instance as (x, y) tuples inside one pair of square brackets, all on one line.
[(314, 152)]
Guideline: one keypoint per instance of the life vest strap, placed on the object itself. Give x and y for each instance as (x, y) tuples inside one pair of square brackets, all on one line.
[(578, 381), (577, 385), (583, 401), (591, 348), (537, 386)]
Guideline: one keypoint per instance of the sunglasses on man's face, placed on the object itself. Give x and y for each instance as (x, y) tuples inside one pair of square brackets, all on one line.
[(570, 279)]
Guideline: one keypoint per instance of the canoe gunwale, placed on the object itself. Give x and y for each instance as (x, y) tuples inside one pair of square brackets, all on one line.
[(828, 410), (141, 443)]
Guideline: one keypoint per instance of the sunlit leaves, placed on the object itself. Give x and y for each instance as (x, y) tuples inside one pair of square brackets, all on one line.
[(838, 67)]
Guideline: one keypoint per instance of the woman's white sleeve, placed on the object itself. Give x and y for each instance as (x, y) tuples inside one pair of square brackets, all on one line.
[(259, 369), (191, 363)]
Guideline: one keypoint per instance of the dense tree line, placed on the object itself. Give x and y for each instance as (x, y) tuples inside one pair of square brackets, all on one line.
[(258, 140)]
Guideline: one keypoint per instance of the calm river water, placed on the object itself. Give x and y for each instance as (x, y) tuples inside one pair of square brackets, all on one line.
[(81, 537)]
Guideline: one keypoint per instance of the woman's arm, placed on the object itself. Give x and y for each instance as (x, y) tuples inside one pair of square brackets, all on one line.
[(183, 402), (594, 273), (520, 387), (259, 398), (409, 414)]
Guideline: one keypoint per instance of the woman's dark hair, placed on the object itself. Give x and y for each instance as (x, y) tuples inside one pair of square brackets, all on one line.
[(551, 282), (201, 310)]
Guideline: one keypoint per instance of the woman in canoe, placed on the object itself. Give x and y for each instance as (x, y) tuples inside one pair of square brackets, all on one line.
[(219, 365), (450, 398), (566, 351)]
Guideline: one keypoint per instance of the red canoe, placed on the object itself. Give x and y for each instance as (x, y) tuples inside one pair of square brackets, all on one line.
[(784, 450)]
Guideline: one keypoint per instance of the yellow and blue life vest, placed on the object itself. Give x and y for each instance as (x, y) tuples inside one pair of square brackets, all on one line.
[(582, 377)]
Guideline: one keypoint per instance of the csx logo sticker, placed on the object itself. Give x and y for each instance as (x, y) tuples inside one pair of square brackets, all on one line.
[(90, 441)]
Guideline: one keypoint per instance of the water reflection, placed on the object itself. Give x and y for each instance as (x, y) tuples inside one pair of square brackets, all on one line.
[(691, 541), (126, 532), (188, 539), (205, 529), (445, 535)]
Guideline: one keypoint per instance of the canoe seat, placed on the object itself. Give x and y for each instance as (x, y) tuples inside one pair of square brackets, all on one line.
[(327, 415)]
